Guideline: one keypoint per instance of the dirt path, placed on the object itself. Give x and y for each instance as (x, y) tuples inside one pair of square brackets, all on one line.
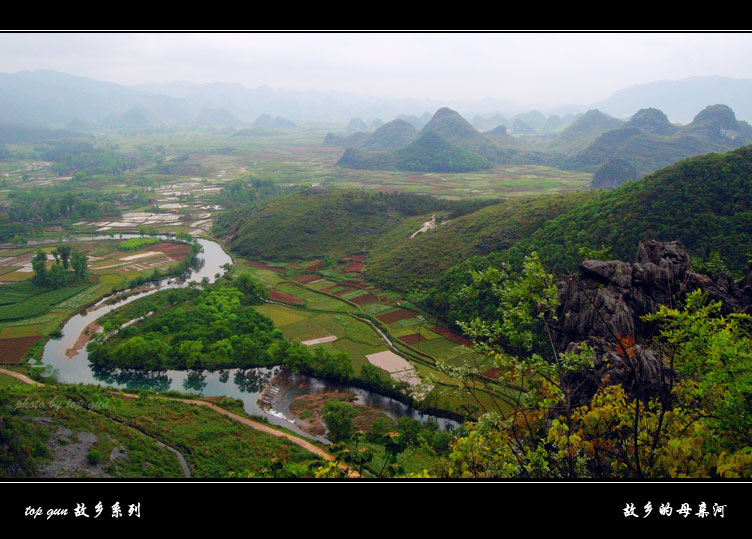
[(235, 417), (21, 377)]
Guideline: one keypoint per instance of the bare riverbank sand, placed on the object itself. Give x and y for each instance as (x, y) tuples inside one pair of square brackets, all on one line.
[(84, 338)]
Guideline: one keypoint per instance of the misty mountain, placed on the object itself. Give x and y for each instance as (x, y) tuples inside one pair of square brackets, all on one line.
[(216, 116), (50, 98), (275, 123), (649, 142), (681, 99), (583, 131)]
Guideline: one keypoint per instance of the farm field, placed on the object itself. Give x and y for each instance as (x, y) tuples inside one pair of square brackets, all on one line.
[(29, 313), (299, 157), (327, 309), (503, 181)]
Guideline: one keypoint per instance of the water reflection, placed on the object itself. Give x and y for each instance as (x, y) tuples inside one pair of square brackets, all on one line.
[(252, 380), (132, 379), (195, 381)]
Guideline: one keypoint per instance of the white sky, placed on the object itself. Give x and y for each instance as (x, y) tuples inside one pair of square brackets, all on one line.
[(537, 69)]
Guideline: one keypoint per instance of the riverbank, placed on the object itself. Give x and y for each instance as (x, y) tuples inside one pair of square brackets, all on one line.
[(86, 335)]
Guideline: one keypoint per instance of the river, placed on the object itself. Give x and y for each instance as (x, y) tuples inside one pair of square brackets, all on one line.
[(243, 384)]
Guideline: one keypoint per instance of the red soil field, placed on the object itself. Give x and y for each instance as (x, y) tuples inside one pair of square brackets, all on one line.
[(306, 278), (402, 314), (413, 338), (259, 265), (383, 299), (453, 336), (365, 298), (354, 284), (356, 267), (177, 251), (12, 350), (315, 267), (279, 296), (329, 289)]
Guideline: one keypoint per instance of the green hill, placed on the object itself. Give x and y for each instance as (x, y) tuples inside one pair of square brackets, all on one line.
[(705, 202), (613, 173), (402, 261), (583, 132), (429, 153), (390, 136), (454, 128), (503, 139), (649, 142), (314, 222)]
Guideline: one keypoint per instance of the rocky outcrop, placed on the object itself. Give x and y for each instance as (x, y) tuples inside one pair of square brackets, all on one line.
[(603, 304)]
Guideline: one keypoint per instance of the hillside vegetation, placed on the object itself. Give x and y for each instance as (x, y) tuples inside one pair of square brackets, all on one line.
[(649, 142), (704, 202), (403, 262), (314, 222)]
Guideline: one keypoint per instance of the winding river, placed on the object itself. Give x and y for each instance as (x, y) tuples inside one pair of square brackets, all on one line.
[(243, 384)]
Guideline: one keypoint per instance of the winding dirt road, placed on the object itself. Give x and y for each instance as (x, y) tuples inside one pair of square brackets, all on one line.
[(235, 417)]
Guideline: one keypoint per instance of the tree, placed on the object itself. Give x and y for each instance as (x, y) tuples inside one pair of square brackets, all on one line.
[(338, 417), (64, 252), (518, 342), (57, 276), (39, 265), (79, 262), (695, 425), (254, 290)]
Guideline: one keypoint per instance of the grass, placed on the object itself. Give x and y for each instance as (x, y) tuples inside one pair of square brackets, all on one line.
[(213, 445), (7, 381), (38, 427), (133, 244)]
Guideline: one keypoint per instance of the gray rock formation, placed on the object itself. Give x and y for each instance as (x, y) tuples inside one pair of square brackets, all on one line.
[(603, 304)]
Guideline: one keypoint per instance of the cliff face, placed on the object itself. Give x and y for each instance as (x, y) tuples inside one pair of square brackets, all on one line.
[(603, 303)]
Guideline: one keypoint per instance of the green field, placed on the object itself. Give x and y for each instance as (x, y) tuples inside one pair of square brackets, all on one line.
[(503, 181)]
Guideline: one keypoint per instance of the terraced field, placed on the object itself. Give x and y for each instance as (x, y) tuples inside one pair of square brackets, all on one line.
[(326, 307)]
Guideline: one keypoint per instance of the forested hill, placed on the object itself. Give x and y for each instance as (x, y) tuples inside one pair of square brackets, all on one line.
[(705, 202), (403, 259), (649, 142), (429, 153), (318, 221)]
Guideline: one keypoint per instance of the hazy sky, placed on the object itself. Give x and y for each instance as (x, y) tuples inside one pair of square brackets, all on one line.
[(530, 69)]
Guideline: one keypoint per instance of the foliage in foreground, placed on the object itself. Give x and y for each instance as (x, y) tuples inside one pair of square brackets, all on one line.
[(699, 426)]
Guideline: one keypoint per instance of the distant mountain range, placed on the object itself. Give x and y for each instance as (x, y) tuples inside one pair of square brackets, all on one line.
[(52, 99), (615, 150), (681, 99)]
